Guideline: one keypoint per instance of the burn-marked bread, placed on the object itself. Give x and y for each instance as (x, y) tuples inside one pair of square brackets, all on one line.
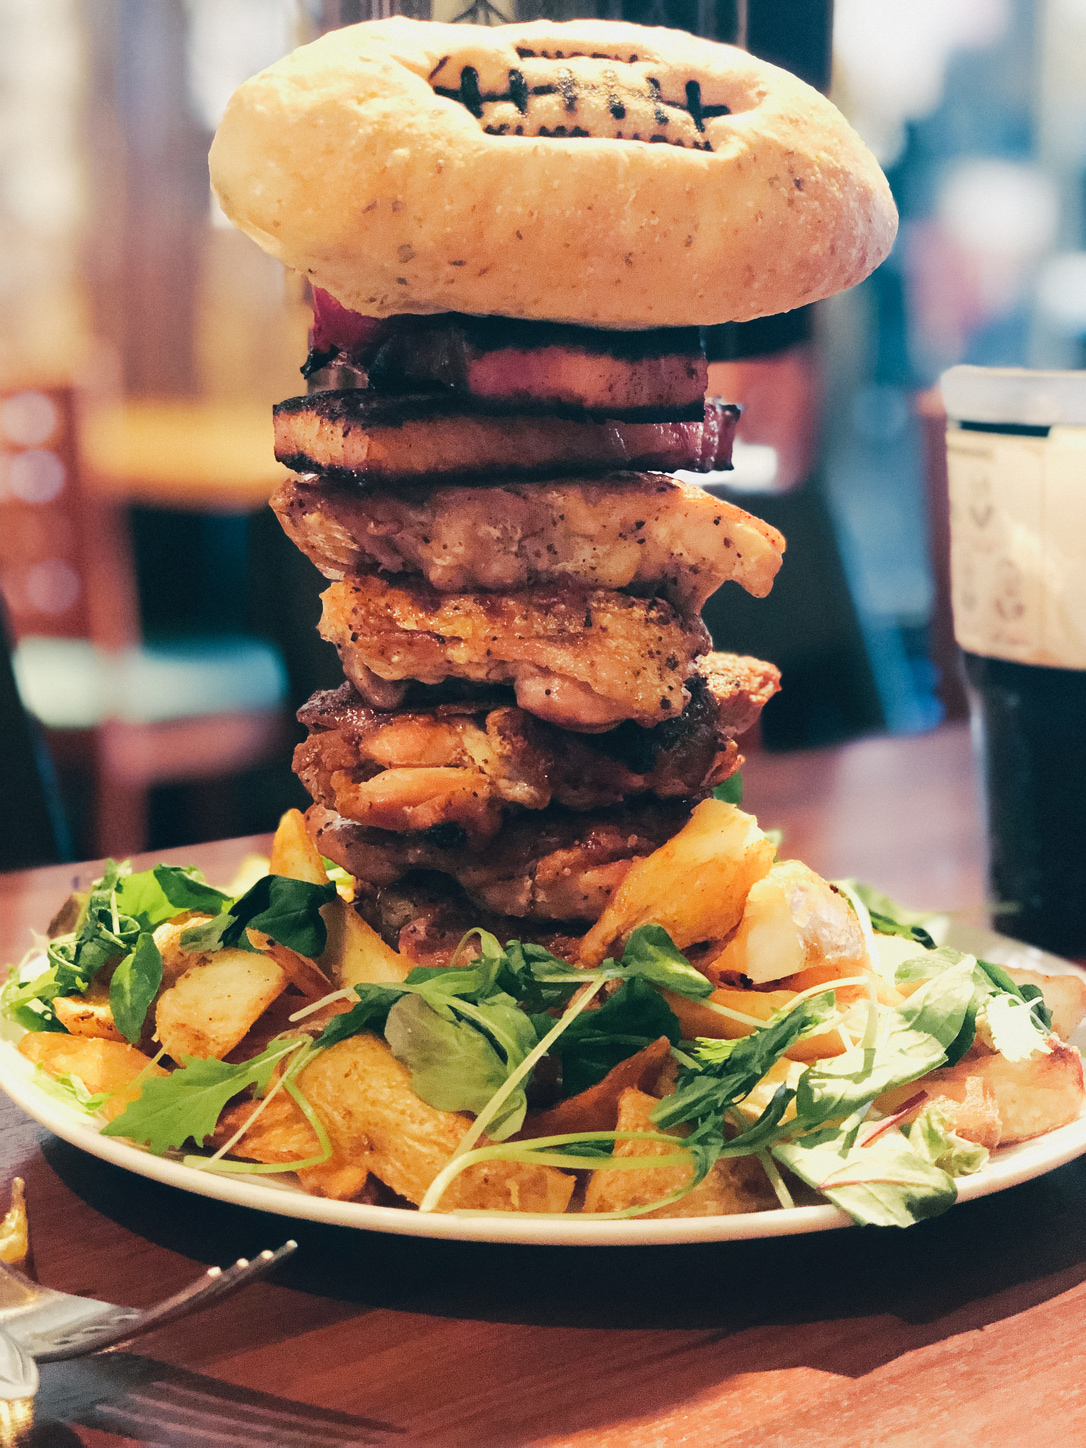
[(593, 172)]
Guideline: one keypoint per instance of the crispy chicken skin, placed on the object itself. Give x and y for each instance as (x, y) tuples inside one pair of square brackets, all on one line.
[(645, 532), (471, 763), (584, 659), (369, 437), (554, 865)]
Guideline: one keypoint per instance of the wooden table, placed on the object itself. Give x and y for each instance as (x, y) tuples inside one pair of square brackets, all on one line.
[(175, 453), (962, 1331)]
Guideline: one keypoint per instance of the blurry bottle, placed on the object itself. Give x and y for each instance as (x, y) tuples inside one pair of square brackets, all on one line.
[(1016, 456)]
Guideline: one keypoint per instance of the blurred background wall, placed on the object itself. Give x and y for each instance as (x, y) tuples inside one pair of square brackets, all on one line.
[(121, 278)]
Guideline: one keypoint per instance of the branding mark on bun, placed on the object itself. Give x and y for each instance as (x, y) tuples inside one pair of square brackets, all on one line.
[(606, 95)]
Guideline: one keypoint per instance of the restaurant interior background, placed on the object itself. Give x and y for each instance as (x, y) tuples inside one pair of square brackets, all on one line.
[(143, 341)]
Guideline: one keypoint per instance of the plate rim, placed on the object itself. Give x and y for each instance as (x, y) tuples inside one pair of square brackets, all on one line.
[(1008, 1167)]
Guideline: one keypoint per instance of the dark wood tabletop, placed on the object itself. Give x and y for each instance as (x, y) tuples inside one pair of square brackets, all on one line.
[(968, 1329)]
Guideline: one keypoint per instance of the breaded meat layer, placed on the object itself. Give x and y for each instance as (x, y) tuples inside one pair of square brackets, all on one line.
[(471, 764), (645, 532), (584, 659)]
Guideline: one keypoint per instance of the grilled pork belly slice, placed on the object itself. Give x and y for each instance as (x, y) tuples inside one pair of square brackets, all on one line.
[(640, 531), (582, 658), (620, 375), (552, 865), (469, 764), (511, 360), (363, 436)]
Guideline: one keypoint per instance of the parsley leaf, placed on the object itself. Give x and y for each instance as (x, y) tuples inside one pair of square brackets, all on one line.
[(186, 1105)]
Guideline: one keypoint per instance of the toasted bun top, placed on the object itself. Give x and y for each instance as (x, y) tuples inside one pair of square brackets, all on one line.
[(607, 174)]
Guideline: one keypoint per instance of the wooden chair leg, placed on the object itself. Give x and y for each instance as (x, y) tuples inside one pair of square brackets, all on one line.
[(120, 812)]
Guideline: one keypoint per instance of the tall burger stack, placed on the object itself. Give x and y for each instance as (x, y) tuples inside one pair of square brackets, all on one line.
[(513, 235)]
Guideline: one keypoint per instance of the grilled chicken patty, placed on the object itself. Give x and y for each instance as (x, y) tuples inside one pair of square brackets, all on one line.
[(640, 531), (584, 659), (365, 436), (554, 865), (470, 763)]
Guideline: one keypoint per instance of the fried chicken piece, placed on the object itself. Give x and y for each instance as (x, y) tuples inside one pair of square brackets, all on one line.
[(469, 763), (550, 865), (642, 531), (584, 659), (369, 436)]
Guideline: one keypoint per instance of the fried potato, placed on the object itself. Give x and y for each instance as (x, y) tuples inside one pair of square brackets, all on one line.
[(363, 1096), (293, 852), (89, 1014), (1064, 995), (280, 1133), (695, 885), (104, 1067), (697, 1019), (793, 921), (596, 1109), (735, 1184), (175, 960), (355, 953), (1030, 1097), (211, 1007)]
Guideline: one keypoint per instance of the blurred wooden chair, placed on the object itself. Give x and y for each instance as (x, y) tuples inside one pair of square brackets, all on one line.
[(137, 716)]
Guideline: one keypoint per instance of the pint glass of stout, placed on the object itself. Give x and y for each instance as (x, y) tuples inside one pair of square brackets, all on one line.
[(1016, 461)]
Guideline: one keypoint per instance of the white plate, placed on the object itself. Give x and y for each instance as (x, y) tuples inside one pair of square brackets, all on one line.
[(1013, 1164)]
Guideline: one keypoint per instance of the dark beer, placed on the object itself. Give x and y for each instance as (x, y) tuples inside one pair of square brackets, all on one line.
[(1030, 726)]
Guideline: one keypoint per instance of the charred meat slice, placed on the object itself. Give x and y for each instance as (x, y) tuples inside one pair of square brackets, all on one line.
[(640, 531), (554, 865), (368, 437), (618, 373), (556, 367), (584, 659), (471, 765)]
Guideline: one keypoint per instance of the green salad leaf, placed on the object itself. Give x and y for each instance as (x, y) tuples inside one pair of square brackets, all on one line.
[(134, 986), (186, 1105), (286, 910), (885, 1184)]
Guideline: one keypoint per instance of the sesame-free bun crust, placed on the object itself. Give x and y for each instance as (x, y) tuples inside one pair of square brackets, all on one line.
[(657, 179)]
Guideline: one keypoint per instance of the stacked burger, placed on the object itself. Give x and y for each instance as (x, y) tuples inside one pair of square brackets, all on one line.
[(513, 235)]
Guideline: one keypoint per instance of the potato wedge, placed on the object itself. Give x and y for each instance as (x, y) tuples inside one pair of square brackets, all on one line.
[(280, 1133), (293, 852), (596, 1109), (697, 1019), (1065, 997), (104, 1067), (363, 1096), (1030, 1097), (734, 1185), (355, 953), (695, 886), (89, 1014), (176, 961), (793, 921), (210, 1008)]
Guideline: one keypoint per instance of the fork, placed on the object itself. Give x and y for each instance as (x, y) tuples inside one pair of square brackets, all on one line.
[(53, 1326)]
